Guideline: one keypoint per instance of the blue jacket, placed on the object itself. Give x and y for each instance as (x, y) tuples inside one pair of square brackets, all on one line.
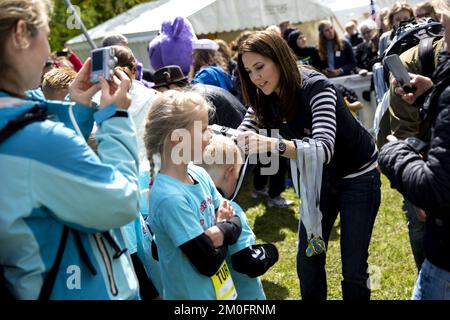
[(214, 76), (51, 178)]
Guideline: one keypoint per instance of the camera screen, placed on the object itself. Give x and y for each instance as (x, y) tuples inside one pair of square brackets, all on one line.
[(97, 60)]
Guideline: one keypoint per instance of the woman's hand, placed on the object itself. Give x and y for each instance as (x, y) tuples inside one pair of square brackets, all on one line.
[(216, 236), (419, 82), (116, 91), (82, 89), (253, 143), (224, 212)]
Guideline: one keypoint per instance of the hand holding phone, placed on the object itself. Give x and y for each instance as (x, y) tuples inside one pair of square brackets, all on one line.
[(421, 84), (399, 72)]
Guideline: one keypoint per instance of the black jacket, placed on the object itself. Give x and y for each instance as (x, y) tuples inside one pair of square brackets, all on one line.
[(229, 111), (427, 183), (354, 146)]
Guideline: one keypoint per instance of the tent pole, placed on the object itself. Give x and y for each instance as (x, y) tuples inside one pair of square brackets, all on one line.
[(82, 27), (338, 23)]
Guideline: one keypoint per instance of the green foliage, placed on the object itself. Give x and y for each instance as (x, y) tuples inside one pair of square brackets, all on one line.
[(391, 265), (93, 13)]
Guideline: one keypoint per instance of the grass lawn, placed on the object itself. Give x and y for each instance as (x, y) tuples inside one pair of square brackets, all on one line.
[(391, 264)]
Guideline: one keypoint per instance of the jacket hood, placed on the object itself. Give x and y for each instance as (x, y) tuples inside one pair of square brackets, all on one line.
[(12, 108)]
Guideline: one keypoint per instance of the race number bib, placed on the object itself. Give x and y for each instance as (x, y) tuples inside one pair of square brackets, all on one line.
[(223, 284)]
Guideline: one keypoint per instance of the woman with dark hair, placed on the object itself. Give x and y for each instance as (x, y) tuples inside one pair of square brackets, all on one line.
[(303, 103), (335, 53), (305, 54), (398, 13)]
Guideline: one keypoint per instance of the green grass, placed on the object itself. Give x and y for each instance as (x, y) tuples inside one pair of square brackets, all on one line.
[(391, 264)]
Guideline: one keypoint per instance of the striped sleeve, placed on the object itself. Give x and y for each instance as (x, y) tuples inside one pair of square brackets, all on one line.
[(323, 109), (250, 123)]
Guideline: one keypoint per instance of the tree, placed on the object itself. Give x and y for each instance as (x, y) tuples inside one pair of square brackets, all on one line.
[(92, 13)]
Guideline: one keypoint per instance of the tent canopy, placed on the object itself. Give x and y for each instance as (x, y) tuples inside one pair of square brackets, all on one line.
[(142, 23)]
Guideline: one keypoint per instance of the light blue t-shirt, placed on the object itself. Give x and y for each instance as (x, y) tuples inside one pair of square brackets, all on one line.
[(180, 212), (247, 288)]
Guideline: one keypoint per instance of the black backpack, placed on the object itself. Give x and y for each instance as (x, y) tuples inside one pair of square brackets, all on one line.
[(409, 34)]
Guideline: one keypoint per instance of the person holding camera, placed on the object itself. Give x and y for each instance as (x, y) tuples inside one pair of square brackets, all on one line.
[(425, 180), (302, 103), (61, 205)]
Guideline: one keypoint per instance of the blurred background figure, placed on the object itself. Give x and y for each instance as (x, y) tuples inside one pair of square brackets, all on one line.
[(286, 27), (398, 13), (366, 53), (352, 34), (335, 53), (307, 55), (425, 10), (209, 66)]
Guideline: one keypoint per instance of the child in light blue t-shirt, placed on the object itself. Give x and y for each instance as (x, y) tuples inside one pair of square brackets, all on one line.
[(247, 260), (184, 203)]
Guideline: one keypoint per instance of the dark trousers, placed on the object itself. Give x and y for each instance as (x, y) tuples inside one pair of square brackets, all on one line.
[(416, 231), (276, 181), (357, 199)]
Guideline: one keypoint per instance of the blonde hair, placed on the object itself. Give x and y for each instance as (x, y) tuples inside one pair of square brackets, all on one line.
[(33, 12), (442, 7), (220, 151), (58, 78), (172, 110)]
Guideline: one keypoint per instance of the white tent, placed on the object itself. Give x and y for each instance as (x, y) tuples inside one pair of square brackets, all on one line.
[(142, 23), (344, 10)]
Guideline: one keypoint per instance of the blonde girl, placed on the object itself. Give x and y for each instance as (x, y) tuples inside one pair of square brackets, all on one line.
[(184, 202)]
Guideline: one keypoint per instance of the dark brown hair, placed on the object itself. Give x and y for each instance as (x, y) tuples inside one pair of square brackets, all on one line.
[(396, 8), (269, 44), (125, 58)]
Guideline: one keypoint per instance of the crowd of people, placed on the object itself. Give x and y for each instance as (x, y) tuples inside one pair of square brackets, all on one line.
[(120, 190)]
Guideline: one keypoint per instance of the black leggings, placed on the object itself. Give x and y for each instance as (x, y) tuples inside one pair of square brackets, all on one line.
[(276, 181)]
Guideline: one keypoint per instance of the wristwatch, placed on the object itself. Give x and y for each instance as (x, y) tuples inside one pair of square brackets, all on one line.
[(281, 146), (417, 144)]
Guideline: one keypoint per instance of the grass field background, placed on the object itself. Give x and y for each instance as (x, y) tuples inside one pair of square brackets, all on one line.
[(391, 264)]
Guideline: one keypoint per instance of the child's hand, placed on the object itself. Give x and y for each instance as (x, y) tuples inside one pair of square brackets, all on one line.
[(216, 236), (224, 212)]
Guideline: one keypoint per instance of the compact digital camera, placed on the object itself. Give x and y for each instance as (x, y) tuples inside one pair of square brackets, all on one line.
[(103, 63)]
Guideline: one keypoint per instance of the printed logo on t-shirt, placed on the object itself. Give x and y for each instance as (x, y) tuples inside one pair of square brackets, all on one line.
[(204, 204)]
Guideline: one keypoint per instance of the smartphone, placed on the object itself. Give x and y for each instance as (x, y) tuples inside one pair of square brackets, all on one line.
[(103, 63), (399, 72)]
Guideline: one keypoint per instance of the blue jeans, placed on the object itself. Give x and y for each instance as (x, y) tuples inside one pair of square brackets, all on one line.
[(433, 283), (357, 199), (416, 232)]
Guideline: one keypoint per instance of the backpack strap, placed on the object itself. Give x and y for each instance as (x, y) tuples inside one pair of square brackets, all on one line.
[(33, 115), (426, 56), (50, 279)]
